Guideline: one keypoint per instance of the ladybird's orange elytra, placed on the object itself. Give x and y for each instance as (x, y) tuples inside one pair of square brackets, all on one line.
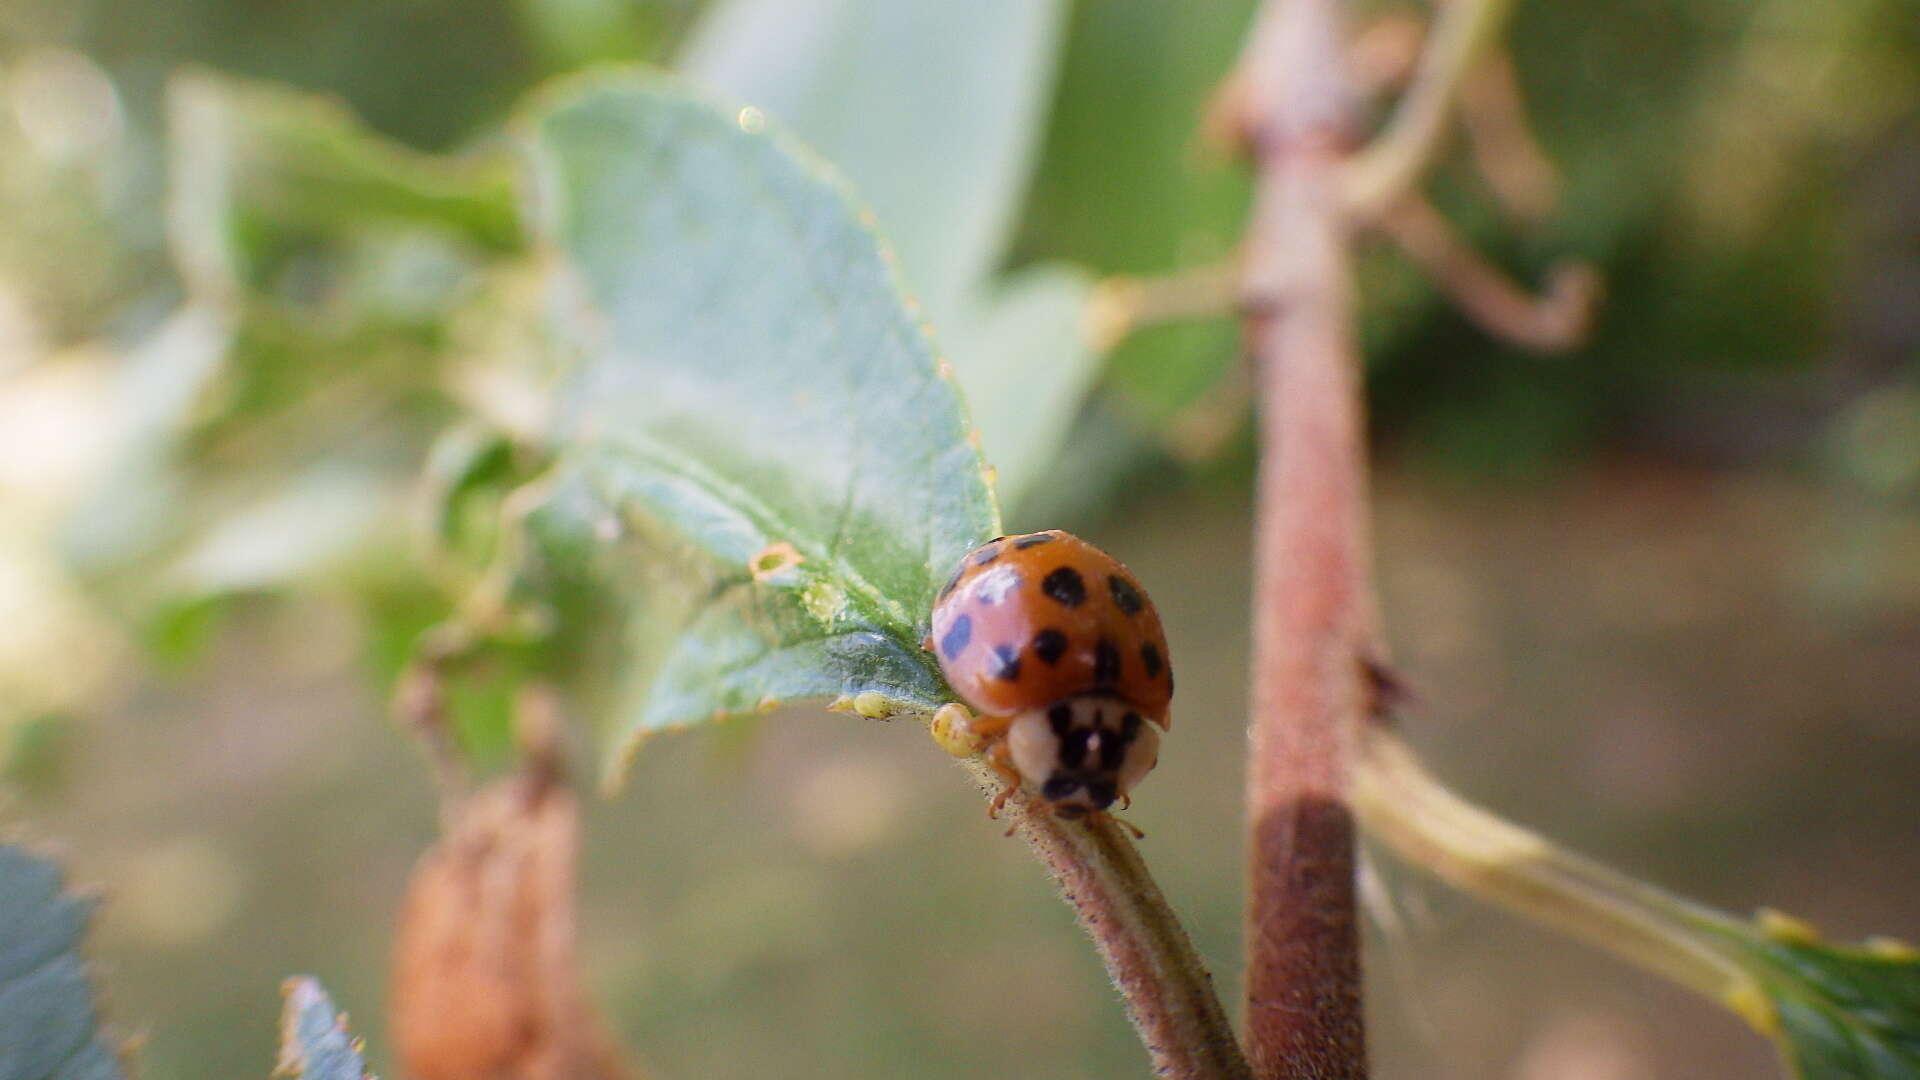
[(1056, 641)]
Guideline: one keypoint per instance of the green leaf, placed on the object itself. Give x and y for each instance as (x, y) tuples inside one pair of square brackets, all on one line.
[(934, 112), (48, 1024), (759, 442), (1837, 1012), (314, 1043)]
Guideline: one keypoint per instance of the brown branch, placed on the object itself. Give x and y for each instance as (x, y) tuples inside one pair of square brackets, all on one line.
[(1312, 603), (1494, 113), (1554, 321), (1393, 163), (1124, 304), (1167, 990)]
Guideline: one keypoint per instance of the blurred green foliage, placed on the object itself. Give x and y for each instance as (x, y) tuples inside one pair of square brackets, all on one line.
[(267, 361)]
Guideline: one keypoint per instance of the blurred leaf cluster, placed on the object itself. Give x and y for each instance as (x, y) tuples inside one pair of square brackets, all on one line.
[(234, 323)]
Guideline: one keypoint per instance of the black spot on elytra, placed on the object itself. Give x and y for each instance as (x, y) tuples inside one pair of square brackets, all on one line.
[(1006, 662), (1106, 663), (1130, 726), (952, 582), (1060, 718), (1030, 541), (1065, 586), (1073, 747), (987, 554), (1150, 656), (1125, 596), (1059, 787), (1049, 645), (956, 637), (1103, 792)]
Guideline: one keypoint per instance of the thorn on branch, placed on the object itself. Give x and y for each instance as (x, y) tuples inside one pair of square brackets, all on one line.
[(1554, 321)]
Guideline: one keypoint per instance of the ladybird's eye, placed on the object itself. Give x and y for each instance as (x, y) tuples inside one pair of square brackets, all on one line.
[(1065, 586), (1059, 787)]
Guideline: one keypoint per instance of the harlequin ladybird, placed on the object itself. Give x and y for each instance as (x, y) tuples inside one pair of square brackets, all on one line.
[(1062, 658)]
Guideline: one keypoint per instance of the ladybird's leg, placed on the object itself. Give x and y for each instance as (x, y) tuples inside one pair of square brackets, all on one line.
[(1120, 821), (1002, 761)]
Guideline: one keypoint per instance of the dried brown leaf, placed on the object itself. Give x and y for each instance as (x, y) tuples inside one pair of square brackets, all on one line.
[(486, 979)]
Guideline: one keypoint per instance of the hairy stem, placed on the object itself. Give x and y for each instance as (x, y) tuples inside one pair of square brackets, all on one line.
[(1312, 598), (1168, 992)]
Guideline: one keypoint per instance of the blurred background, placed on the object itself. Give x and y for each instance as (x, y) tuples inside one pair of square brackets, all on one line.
[(1658, 595)]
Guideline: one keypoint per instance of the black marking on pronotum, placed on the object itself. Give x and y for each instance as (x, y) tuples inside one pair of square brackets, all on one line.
[(1125, 596), (1106, 663), (1073, 747), (1150, 656), (1029, 541), (1103, 792), (1130, 726), (1060, 718), (988, 553), (1006, 662), (1059, 787), (1065, 586), (1049, 645), (956, 637), (1113, 751)]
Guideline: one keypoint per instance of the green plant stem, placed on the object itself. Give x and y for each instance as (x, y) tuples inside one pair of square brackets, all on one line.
[(1402, 804), (1392, 164), (1168, 992)]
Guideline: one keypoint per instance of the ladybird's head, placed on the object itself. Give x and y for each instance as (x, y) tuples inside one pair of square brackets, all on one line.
[(1083, 752)]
